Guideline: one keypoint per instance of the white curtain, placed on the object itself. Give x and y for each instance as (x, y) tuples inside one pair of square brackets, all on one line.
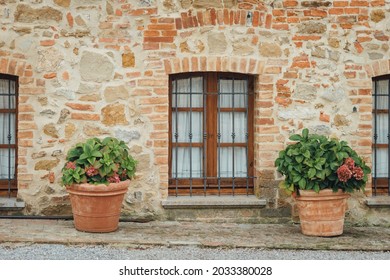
[(187, 161), (181, 89), (190, 164), (7, 121), (225, 164), (233, 94), (381, 122)]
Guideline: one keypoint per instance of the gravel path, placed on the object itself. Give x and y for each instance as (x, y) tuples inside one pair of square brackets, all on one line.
[(23, 251)]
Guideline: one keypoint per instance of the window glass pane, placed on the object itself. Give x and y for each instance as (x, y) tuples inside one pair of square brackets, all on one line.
[(7, 127), (7, 94), (381, 89), (380, 165), (230, 100), (227, 123), (181, 89), (225, 163), (189, 162), (7, 157), (381, 122), (187, 123)]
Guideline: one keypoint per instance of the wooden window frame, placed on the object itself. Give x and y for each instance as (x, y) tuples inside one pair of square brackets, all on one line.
[(380, 185), (210, 184), (9, 187)]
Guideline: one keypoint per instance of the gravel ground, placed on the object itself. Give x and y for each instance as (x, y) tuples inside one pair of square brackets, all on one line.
[(24, 251)]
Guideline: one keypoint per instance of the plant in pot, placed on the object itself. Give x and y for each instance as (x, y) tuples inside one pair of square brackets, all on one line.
[(321, 172), (96, 175)]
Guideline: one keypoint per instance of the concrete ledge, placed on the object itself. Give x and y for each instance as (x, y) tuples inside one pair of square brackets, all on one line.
[(239, 201), (378, 201), (11, 203)]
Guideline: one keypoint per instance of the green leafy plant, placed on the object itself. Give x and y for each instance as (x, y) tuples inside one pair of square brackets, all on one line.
[(316, 162), (98, 161)]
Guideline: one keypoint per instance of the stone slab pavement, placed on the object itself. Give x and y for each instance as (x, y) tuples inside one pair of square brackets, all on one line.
[(170, 233)]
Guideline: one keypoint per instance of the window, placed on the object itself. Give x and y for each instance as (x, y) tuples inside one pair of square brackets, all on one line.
[(381, 152), (211, 128), (8, 132)]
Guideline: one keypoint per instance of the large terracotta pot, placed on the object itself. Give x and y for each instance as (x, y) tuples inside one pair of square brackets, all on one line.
[(322, 214), (96, 208)]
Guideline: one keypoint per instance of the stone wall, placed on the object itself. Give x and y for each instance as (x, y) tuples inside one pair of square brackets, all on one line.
[(97, 68)]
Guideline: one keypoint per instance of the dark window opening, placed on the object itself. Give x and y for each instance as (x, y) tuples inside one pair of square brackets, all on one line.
[(8, 134), (211, 134), (381, 123)]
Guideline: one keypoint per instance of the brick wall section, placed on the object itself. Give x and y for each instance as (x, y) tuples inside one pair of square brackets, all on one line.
[(15, 64), (102, 69)]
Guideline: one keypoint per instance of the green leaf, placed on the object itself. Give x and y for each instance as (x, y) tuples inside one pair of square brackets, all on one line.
[(302, 183), (96, 154), (295, 137), (311, 173), (306, 154), (299, 159), (305, 133)]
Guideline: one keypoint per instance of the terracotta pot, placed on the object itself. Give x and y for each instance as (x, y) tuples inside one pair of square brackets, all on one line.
[(322, 214), (96, 208)]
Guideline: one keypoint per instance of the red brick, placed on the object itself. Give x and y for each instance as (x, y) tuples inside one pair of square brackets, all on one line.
[(213, 16), (85, 117), (50, 75), (158, 39), (280, 26), (290, 3), (355, 3), (226, 16), (161, 26), (306, 38), (151, 46), (151, 33), (340, 3), (324, 117), (80, 107), (47, 43), (166, 20), (178, 23), (69, 18), (278, 12), (143, 12), (350, 75), (25, 135), (336, 11), (26, 108), (25, 117), (256, 19), (12, 67)]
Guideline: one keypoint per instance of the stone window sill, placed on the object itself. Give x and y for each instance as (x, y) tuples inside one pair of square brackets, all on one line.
[(11, 203), (378, 201), (239, 201)]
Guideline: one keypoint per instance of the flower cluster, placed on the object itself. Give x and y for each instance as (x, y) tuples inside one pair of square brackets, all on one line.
[(91, 171), (70, 165), (98, 161), (349, 170)]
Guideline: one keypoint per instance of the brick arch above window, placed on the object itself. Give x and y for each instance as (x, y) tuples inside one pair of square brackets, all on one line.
[(378, 68), (242, 65)]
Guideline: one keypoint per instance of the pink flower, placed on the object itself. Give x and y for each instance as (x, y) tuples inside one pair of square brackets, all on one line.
[(358, 173), (350, 163), (114, 178), (70, 165), (91, 171), (344, 173)]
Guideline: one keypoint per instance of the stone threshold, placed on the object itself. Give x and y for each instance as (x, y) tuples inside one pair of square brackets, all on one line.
[(378, 201), (11, 203), (238, 201)]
